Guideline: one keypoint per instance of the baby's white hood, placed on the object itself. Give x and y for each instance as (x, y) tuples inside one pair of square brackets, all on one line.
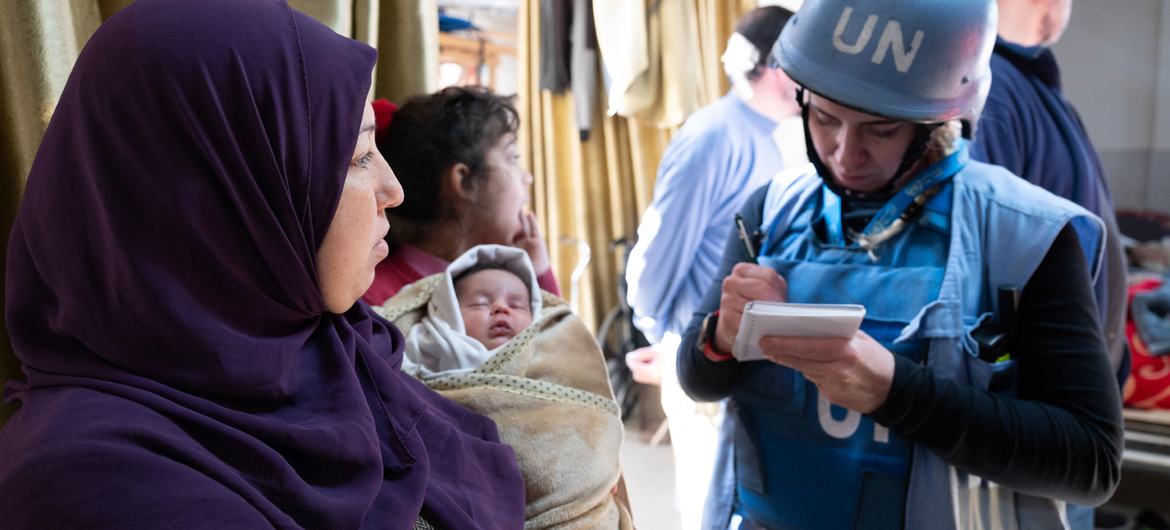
[(439, 343)]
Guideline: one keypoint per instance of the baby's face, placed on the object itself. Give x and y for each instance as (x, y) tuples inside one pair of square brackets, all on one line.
[(495, 306)]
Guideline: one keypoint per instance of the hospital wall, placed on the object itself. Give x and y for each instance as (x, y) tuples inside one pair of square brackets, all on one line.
[(1115, 60)]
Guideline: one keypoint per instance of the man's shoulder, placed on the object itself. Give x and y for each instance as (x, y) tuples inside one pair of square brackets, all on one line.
[(714, 120), (1006, 77), (1010, 101)]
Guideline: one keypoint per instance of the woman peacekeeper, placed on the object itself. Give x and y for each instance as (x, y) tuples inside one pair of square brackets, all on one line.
[(922, 419)]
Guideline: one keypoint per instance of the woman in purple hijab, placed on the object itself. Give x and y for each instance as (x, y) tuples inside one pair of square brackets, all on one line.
[(205, 208)]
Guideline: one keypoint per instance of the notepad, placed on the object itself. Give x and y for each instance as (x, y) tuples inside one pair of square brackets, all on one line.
[(762, 319)]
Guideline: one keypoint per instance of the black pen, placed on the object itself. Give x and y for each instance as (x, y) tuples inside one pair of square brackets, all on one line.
[(744, 238)]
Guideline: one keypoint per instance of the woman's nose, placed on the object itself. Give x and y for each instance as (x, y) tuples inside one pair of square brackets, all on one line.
[(850, 151), (390, 190)]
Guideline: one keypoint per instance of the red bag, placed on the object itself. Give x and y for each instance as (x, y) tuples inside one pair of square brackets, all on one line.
[(1148, 385)]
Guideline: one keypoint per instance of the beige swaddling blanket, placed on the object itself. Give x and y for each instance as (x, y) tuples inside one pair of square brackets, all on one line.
[(548, 391)]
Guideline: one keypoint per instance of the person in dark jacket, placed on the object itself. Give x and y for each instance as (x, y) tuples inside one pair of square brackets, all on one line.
[(1030, 128)]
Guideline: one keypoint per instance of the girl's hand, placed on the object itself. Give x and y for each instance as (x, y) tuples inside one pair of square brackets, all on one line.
[(532, 241)]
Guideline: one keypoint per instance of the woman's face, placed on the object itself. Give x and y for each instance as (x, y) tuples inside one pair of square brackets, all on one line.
[(354, 243), (499, 208), (862, 151)]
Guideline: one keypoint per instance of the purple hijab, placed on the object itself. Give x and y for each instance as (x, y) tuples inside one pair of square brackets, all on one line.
[(182, 371)]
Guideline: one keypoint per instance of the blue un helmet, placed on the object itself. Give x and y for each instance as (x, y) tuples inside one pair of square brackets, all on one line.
[(923, 61)]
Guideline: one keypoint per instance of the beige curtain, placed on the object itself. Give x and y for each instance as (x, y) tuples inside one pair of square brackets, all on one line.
[(594, 191), (38, 43), (406, 34), (41, 39), (716, 22)]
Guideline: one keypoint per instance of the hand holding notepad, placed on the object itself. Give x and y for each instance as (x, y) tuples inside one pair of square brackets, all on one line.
[(763, 319)]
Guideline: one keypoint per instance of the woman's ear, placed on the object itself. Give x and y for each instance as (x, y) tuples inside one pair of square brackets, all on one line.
[(458, 180)]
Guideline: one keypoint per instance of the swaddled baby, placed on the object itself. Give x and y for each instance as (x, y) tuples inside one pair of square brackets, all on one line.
[(494, 303), (486, 297), (484, 335)]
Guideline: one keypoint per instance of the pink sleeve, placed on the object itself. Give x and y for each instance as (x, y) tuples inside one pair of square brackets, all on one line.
[(548, 282), (390, 276)]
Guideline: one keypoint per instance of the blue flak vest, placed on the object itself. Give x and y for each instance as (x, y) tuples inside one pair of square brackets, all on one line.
[(791, 460)]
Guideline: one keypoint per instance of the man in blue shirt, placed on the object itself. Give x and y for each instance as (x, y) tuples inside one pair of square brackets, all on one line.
[(1032, 130), (723, 153)]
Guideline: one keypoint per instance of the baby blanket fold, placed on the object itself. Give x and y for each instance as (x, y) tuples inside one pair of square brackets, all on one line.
[(548, 391)]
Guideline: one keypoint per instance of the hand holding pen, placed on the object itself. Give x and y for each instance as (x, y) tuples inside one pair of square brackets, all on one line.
[(747, 282), (748, 245)]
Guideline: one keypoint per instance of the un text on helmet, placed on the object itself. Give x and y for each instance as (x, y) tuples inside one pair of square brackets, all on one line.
[(890, 41)]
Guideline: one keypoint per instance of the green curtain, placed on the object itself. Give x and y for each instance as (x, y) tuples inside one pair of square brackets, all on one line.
[(406, 33), (408, 49), (40, 40)]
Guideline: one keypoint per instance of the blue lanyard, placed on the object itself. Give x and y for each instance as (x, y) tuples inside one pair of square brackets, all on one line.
[(927, 179)]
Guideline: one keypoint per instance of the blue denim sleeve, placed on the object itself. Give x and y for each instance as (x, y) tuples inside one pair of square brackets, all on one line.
[(700, 378)]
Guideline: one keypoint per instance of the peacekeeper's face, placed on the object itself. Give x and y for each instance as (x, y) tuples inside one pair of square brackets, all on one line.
[(863, 151)]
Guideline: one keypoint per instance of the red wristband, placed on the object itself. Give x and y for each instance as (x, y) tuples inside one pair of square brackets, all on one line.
[(714, 356), (707, 343)]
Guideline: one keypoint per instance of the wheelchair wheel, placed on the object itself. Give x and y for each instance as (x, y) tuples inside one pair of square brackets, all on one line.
[(616, 335)]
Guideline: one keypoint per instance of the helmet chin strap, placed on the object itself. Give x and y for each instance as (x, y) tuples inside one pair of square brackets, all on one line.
[(913, 153)]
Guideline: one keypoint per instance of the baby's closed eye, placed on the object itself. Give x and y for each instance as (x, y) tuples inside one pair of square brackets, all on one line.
[(476, 301)]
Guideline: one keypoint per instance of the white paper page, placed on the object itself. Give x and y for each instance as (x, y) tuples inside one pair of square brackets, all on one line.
[(762, 319)]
